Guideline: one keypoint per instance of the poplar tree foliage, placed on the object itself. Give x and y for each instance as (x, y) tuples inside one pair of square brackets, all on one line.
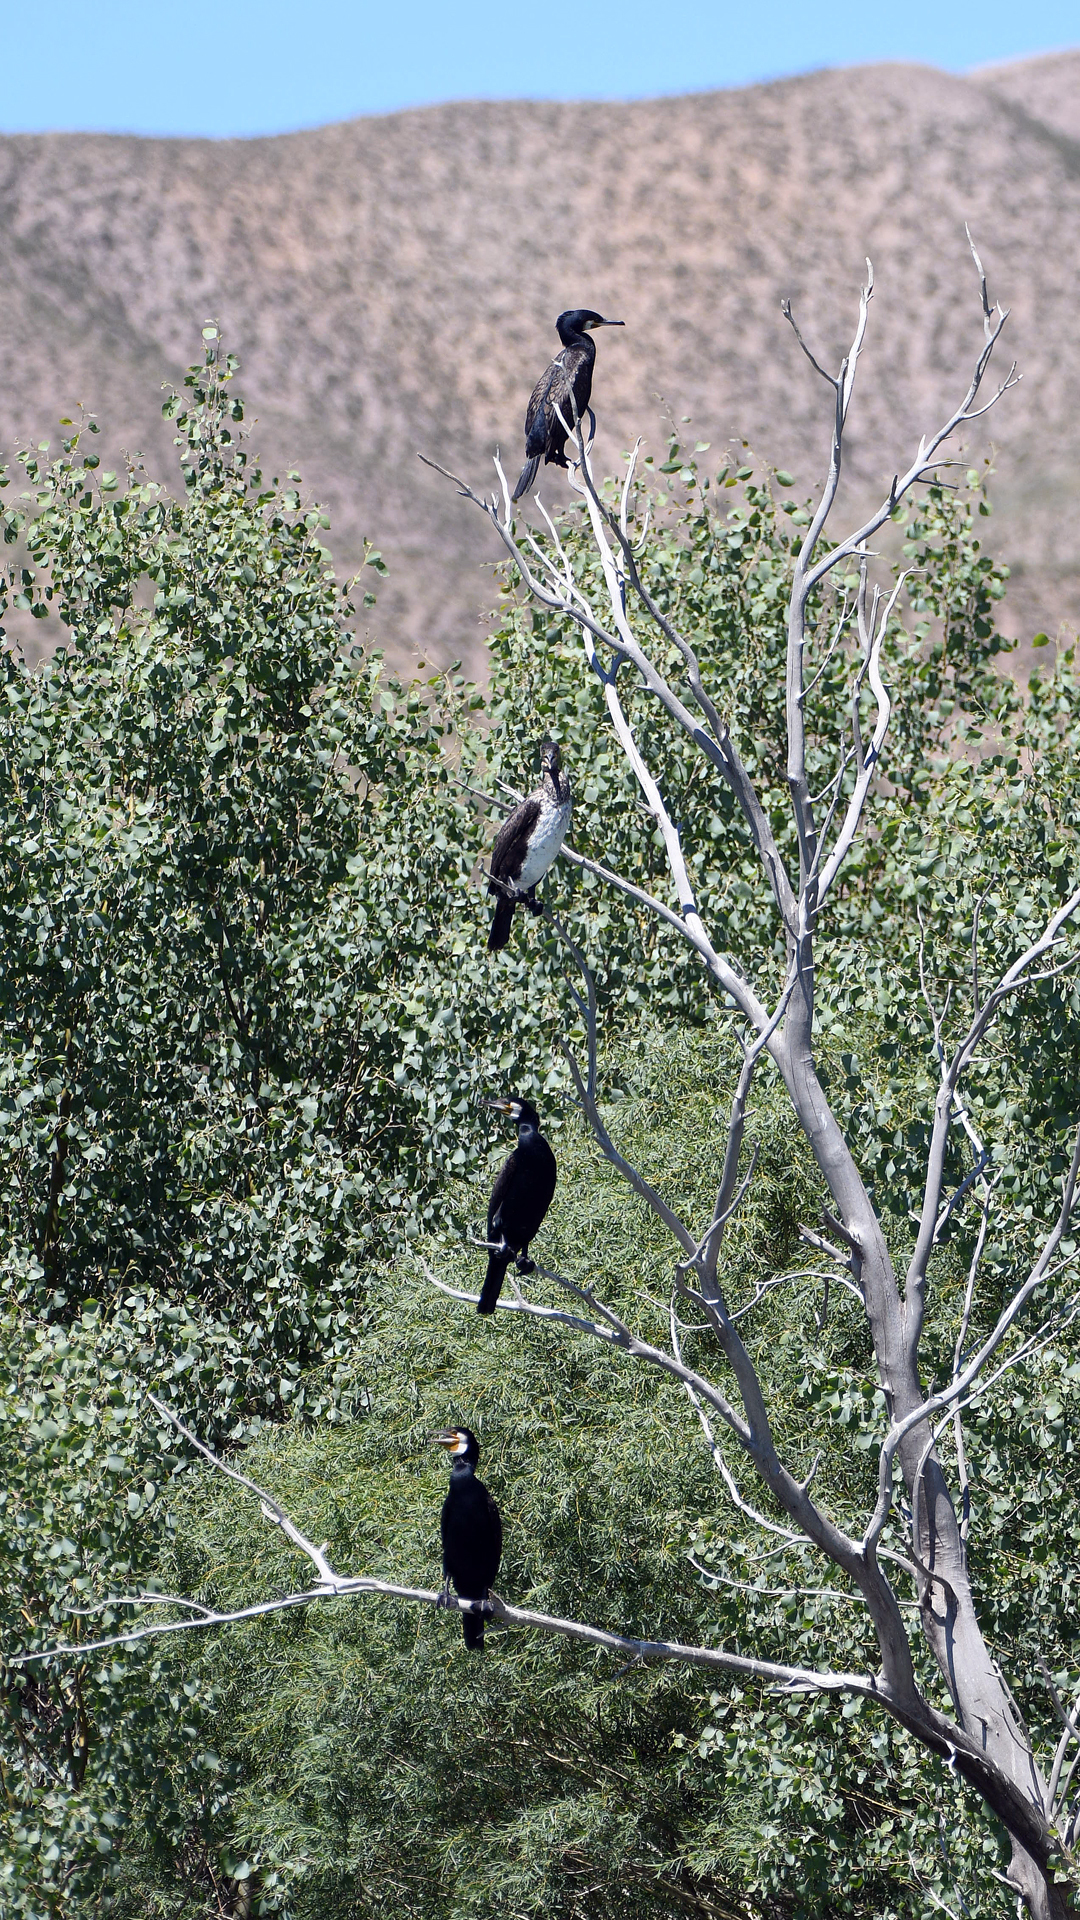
[(236, 1053), (245, 1019)]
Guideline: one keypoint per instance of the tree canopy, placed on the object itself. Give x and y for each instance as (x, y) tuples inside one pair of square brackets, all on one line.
[(245, 1021)]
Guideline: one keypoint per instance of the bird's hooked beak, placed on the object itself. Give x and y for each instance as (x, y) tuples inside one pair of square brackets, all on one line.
[(451, 1438), (593, 324), (503, 1105)]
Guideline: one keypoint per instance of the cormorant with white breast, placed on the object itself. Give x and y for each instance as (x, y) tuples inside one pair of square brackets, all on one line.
[(527, 843), (471, 1529), (566, 384), (519, 1200)]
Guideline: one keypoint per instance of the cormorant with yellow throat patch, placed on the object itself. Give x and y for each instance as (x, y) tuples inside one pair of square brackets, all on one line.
[(471, 1529)]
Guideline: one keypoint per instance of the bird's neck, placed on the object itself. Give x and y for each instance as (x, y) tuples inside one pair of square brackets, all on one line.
[(462, 1470), (558, 786), (573, 338), (528, 1131)]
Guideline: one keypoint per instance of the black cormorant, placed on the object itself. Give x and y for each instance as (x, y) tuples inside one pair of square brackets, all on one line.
[(527, 843), (567, 381), (471, 1530), (519, 1200)]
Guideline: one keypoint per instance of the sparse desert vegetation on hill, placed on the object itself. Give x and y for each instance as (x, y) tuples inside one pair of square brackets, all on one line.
[(390, 284)]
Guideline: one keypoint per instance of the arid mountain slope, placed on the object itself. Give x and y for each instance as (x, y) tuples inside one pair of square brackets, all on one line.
[(390, 285), (1047, 89)]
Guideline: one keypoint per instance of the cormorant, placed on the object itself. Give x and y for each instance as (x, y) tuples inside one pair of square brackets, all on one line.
[(527, 843), (567, 380), (519, 1200), (471, 1531)]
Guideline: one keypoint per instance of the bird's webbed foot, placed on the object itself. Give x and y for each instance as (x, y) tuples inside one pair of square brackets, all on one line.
[(533, 903), (523, 1263), (444, 1593)]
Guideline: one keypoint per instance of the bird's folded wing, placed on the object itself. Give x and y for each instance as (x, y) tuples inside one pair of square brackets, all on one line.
[(512, 839), (500, 1189)]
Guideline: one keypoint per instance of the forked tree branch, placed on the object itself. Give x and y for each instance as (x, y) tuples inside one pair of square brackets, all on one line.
[(809, 573), (964, 1380), (896, 1689), (1015, 979), (562, 595), (751, 1430), (728, 762)]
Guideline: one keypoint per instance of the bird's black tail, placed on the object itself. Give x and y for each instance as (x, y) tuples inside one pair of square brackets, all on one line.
[(472, 1626), (496, 1274), (528, 475), (501, 924)]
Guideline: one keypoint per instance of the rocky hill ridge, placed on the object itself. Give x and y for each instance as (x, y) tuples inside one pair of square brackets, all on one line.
[(390, 284)]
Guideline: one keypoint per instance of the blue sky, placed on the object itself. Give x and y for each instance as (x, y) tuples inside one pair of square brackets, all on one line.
[(265, 66)]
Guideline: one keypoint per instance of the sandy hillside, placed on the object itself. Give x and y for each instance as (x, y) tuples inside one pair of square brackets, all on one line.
[(390, 285)]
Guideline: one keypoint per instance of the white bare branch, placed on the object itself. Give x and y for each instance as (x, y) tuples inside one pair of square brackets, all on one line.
[(270, 1508), (741, 1505), (333, 1586), (993, 322), (715, 1658), (959, 1386), (872, 633), (717, 743), (714, 1578), (1071, 1725), (1015, 979)]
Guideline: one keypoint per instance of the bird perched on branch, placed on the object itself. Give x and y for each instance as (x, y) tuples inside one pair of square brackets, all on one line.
[(527, 843), (519, 1200), (471, 1528), (565, 386)]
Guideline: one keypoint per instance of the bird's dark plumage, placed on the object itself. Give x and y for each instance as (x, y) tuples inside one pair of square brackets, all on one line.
[(471, 1528), (527, 843), (519, 1200), (564, 389)]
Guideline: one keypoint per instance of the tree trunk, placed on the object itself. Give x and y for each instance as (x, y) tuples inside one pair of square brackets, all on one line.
[(981, 1700), (1044, 1897)]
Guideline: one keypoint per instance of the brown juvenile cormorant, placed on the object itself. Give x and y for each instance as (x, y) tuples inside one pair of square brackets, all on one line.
[(527, 843), (519, 1200), (471, 1531), (568, 381)]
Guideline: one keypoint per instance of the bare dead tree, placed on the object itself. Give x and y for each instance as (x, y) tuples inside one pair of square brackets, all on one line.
[(983, 1737)]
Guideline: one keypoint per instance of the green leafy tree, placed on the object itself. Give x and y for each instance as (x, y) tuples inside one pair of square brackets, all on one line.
[(239, 1043), (827, 1763)]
